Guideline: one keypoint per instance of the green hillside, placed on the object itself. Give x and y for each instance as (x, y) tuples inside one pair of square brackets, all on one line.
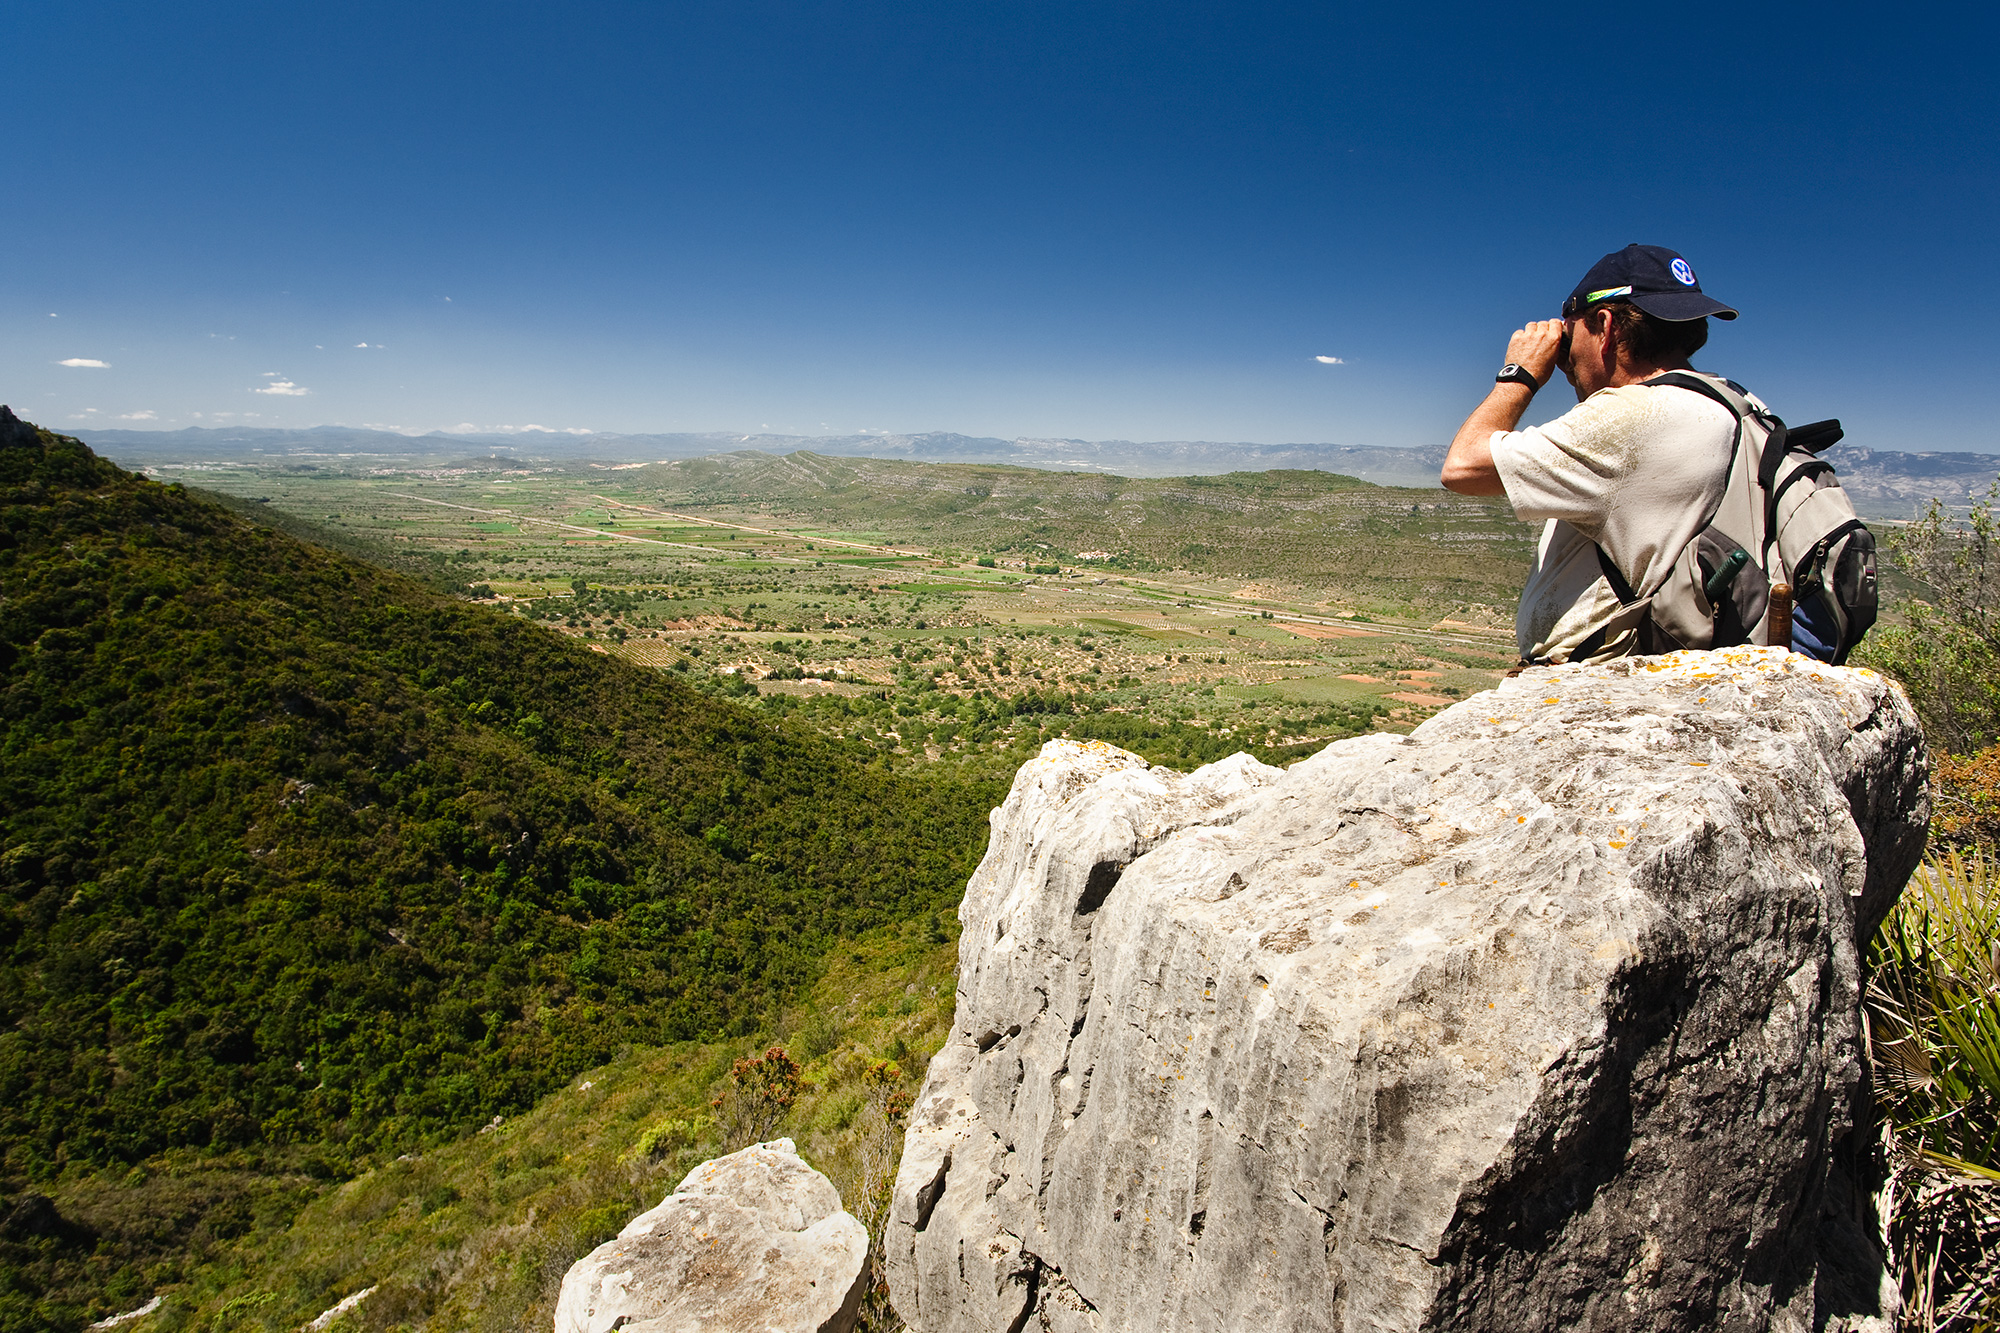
[(474, 1236), (303, 863)]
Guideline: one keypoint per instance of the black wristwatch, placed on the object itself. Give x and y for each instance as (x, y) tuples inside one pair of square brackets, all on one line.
[(1516, 373)]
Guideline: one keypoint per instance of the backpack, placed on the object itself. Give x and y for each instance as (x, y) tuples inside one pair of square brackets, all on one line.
[(1783, 517)]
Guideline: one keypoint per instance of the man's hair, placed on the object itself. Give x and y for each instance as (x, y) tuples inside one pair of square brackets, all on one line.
[(1652, 339)]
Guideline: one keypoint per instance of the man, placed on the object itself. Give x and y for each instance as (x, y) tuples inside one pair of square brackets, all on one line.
[(1634, 469)]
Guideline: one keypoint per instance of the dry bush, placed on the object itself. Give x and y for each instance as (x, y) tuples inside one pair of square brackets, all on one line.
[(762, 1091), (1965, 802), (1944, 1232)]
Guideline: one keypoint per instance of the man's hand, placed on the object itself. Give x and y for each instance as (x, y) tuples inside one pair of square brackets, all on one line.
[(1468, 467), (1534, 348)]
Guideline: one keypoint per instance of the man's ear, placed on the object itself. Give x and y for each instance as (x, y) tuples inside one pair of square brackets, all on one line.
[(1605, 329)]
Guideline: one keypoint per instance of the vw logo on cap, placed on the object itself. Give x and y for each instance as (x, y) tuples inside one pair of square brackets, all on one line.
[(1682, 272)]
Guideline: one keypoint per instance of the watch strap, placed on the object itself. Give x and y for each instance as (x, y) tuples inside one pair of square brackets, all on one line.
[(1516, 373)]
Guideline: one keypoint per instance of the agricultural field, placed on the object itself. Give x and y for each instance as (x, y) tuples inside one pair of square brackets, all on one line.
[(963, 613)]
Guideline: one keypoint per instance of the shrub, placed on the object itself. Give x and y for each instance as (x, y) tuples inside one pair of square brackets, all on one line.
[(1948, 655), (1933, 1016), (664, 1136), (762, 1089), (1965, 801), (820, 1034), (1945, 1240)]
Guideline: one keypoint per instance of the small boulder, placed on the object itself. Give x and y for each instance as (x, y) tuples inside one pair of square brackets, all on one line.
[(755, 1240)]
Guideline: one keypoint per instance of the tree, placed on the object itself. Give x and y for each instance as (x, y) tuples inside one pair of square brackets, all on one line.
[(1948, 655)]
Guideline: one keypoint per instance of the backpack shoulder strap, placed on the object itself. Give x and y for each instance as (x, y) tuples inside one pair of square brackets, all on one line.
[(1738, 406), (1732, 399), (1737, 400), (1732, 396)]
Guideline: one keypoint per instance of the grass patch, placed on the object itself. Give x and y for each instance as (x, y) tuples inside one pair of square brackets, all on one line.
[(1934, 1026)]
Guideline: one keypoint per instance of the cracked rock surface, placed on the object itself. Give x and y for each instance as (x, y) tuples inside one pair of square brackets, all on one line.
[(1544, 1017), (756, 1240)]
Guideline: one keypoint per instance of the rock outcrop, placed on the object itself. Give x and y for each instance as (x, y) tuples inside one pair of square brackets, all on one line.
[(1544, 1017), (755, 1240)]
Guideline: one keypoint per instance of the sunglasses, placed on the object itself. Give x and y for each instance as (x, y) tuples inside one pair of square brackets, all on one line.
[(1577, 304)]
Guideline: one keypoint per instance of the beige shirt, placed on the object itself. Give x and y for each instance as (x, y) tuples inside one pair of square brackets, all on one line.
[(1637, 469)]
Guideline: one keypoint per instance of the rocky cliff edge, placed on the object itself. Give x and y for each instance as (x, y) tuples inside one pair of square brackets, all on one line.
[(1542, 1017)]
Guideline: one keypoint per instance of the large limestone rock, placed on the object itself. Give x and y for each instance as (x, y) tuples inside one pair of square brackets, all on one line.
[(756, 1240), (1544, 1017)]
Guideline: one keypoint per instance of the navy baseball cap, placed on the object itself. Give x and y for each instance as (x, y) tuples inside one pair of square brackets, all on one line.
[(1651, 277)]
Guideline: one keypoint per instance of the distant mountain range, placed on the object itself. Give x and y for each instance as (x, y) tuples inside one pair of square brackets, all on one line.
[(1399, 467), (1884, 483)]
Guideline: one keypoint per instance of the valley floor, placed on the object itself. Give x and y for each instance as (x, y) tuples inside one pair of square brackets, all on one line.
[(939, 636)]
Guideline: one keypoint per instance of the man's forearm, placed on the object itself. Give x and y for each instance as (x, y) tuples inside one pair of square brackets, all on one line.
[(1468, 465)]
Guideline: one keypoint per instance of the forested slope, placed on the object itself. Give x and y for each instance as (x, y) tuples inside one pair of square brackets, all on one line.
[(296, 851)]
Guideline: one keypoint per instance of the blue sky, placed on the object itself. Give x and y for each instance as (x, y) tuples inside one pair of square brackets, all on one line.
[(1076, 219)]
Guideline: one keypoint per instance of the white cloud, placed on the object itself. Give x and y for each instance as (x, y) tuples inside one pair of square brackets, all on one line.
[(139, 416), (373, 347), (87, 362), (1329, 360), (282, 388)]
